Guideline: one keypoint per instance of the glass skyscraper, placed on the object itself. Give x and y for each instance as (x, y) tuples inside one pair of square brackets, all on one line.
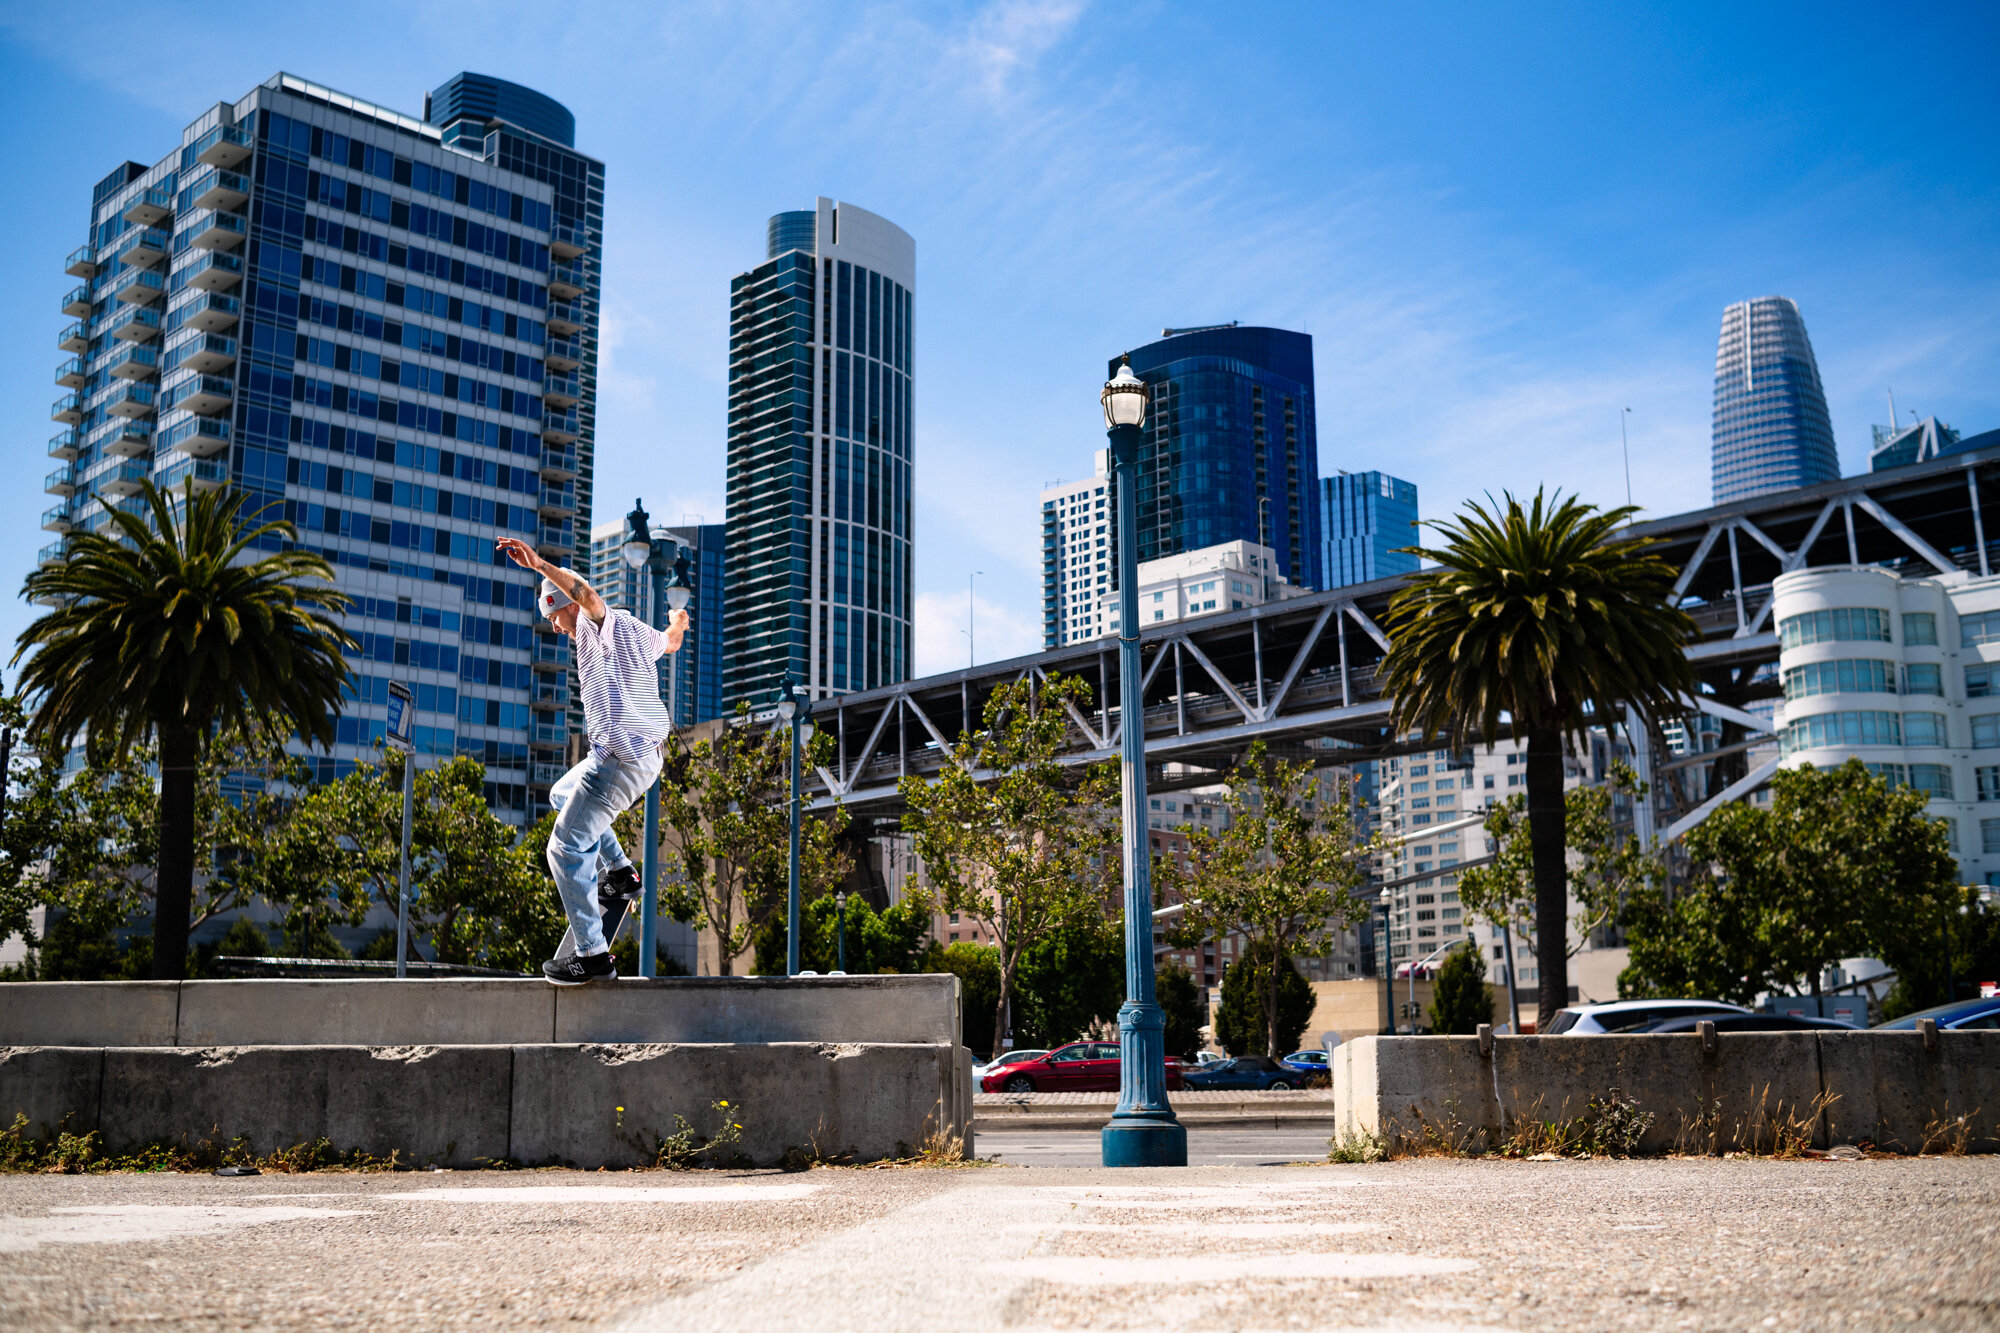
[(1772, 430), (1230, 451), (820, 442), (1364, 517), (384, 329), (697, 667)]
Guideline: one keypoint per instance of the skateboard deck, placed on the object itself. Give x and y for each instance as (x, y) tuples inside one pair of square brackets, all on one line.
[(614, 917)]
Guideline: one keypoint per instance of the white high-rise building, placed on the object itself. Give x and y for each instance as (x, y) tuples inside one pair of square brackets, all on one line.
[(1077, 557), (1226, 577)]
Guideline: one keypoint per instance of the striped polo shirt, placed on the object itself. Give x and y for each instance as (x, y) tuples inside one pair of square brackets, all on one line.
[(623, 716)]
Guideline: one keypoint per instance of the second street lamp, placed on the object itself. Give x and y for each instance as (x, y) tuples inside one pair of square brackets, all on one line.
[(795, 710), (1143, 1129), (644, 551)]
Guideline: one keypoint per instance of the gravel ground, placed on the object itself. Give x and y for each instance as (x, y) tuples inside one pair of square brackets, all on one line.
[(1415, 1245)]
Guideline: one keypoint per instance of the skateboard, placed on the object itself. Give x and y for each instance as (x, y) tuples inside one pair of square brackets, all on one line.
[(614, 913)]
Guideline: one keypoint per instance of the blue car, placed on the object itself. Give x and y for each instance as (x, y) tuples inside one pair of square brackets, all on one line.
[(1951, 1017), (1307, 1062), (1247, 1072)]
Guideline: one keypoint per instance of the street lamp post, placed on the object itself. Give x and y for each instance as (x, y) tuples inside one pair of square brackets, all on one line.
[(643, 551), (1143, 1129), (794, 709), (1387, 902), (840, 929)]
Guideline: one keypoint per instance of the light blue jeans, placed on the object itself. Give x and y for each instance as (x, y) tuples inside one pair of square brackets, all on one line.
[(586, 800)]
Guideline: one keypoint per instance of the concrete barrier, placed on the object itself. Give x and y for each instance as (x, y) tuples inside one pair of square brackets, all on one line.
[(1894, 1089), (479, 1012)]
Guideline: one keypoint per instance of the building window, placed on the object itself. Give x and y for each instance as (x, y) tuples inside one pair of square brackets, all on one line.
[(1974, 630), (1950, 832), (1934, 780), (1824, 731), (1979, 681), (1989, 836), (1923, 678), (1923, 729), (1989, 782), (1847, 676), (1919, 627), (1844, 623), (1986, 731)]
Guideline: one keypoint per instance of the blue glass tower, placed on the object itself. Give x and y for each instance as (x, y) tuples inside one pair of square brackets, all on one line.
[(1364, 517), (1230, 451), (384, 329), (1772, 429)]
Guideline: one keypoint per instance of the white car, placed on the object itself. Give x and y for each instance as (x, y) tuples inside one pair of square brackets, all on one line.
[(1628, 1016), (980, 1071)]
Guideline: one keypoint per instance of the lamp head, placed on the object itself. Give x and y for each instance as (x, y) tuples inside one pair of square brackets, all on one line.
[(680, 591), (788, 702), (1124, 398), (638, 546), (840, 899), (1387, 900)]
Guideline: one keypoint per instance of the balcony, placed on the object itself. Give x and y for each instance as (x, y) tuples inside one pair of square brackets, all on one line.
[(70, 374), (558, 501), (556, 542), (74, 338), (212, 313), (561, 390), (136, 323), (567, 242), (217, 231), (82, 262), (63, 445), (52, 554), (215, 271), (558, 462), (211, 354), (151, 208), (203, 395), (135, 362), (563, 354), (221, 190), (540, 775), (549, 733), (128, 478), (199, 437), (551, 696), (77, 302), (224, 146), (134, 439), (134, 402), (565, 318), (61, 482), (140, 286), (67, 410), (207, 474), (560, 427), (57, 519), (143, 248), (551, 653), (566, 281)]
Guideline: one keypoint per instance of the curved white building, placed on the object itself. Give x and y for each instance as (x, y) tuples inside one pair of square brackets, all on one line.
[(1903, 674)]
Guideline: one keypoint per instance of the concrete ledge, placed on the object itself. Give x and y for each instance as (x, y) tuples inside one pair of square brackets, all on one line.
[(469, 1012), (1843, 1086), (529, 1103)]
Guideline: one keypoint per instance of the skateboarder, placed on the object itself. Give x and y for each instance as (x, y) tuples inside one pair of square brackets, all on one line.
[(626, 725)]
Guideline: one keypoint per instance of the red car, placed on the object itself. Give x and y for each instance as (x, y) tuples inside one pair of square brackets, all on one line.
[(1081, 1066)]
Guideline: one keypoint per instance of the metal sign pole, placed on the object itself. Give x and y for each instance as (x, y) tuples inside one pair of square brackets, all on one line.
[(400, 733)]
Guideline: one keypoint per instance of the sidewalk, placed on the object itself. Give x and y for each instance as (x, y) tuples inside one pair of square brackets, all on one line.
[(1087, 1111)]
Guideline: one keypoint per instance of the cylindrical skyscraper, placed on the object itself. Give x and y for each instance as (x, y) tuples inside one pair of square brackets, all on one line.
[(1772, 430), (819, 568)]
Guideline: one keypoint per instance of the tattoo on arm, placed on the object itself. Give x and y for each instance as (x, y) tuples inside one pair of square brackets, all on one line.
[(578, 589)]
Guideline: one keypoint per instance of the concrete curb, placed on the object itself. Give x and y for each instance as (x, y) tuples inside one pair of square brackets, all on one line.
[(1089, 1124)]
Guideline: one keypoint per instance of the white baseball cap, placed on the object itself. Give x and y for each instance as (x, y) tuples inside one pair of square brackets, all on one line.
[(553, 599)]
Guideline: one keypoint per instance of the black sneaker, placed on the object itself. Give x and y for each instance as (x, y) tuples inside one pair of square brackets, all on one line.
[(615, 885), (578, 970)]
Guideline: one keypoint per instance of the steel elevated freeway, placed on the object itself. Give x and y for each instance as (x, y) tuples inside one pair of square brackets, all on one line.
[(1301, 674)]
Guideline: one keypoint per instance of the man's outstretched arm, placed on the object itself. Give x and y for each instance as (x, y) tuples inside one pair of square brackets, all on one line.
[(572, 583)]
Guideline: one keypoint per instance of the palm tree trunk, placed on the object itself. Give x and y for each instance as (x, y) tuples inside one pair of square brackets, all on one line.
[(1548, 840), (173, 877)]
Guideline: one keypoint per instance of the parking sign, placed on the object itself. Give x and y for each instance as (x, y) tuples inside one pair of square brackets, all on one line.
[(400, 720)]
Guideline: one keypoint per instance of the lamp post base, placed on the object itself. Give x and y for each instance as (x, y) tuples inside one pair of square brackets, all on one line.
[(1144, 1142)]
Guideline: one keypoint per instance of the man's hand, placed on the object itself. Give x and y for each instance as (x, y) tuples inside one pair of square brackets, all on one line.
[(522, 554), (677, 627)]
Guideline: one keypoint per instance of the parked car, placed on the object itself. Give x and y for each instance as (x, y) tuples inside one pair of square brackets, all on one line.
[(1245, 1071), (1751, 1023), (1006, 1058), (1631, 1015), (1308, 1062), (1965, 1014), (1081, 1066)]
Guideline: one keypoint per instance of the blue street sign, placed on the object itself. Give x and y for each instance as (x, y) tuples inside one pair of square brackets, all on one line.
[(400, 715)]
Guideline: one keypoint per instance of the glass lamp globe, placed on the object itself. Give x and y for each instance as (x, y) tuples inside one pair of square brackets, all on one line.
[(1124, 398), (677, 597), (805, 730), (786, 708)]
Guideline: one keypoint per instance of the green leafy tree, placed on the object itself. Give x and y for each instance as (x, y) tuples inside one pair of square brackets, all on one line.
[(1241, 1023), (1460, 1001), (1840, 864), (724, 816), (1605, 866), (1283, 869), (888, 941), (1070, 982), (171, 628), (1180, 1001), (1013, 837), (1967, 952), (977, 967), (1544, 615)]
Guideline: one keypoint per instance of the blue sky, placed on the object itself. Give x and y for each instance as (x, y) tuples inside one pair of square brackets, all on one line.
[(1501, 224)]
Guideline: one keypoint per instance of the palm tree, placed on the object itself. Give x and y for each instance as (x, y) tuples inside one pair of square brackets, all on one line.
[(1543, 615), (170, 628)]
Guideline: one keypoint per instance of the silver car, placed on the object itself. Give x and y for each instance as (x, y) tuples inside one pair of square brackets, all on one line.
[(1630, 1016)]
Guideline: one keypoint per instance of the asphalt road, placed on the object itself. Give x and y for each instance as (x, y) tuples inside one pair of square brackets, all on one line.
[(1433, 1245), (1206, 1147)]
